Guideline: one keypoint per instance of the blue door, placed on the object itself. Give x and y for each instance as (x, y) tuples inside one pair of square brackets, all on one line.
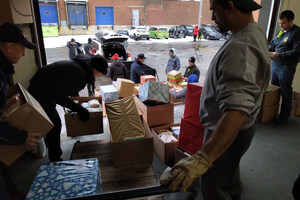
[(49, 14), (77, 14), (104, 15)]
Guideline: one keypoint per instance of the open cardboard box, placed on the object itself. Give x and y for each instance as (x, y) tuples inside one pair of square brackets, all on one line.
[(30, 117), (156, 115), (179, 154), (133, 151), (76, 127), (174, 100), (165, 151)]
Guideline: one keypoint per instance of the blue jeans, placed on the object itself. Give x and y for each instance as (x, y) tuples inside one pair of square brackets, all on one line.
[(282, 76)]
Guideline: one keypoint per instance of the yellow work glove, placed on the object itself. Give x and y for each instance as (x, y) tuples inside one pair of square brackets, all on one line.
[(185, 171)]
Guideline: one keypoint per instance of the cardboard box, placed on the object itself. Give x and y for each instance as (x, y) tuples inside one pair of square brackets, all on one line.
[(271, 96), (136, 89), (125, 87), (267, 113), (296, 104), (165, 151), (179, 154), (156, 115), (76, 127), (30, 117), (133, 151)]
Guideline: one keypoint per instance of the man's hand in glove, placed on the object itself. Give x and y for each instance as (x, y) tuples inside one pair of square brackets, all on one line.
[(185, 171), (84, 114)]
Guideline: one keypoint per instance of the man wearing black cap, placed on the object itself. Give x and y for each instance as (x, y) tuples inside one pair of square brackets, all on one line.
[(54, 83), (230, 101), (73, 48), (136, 69), (12, 47), (191, 69)]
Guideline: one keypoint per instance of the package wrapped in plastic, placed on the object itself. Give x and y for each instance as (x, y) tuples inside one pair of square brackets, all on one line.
[(124, 120), (152, 93), (66, 179)]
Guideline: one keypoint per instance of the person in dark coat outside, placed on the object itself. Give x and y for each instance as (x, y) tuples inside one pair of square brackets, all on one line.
[(54, 83), (136, 69), (12, 47), (191, 69), (195, 33), (73, 48), (117, 69), (89, 48), (173, 62)]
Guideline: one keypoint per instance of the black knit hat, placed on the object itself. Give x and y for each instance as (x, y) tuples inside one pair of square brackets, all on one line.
[(192, 59), (99, 63)]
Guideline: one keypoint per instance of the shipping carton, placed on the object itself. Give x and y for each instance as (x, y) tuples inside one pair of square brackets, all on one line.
[(296, 104), (174, 100), (133, 151), (271, 96), (30, 117), (156, 115), (267, 113), (76, 127), (125, 87), (165, 151)]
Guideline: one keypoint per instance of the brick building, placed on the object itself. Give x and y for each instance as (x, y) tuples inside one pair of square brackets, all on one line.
[(88, 16)]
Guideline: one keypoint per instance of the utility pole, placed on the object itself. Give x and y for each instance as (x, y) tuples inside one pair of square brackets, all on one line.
[(200, 13)]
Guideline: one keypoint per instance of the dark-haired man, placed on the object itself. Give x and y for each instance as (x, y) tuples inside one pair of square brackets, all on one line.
[(285, 53), (136, 70), (229, 103), (191, 69)]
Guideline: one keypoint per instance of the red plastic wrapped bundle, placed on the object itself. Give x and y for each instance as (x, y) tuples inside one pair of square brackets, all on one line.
[(146, 78)]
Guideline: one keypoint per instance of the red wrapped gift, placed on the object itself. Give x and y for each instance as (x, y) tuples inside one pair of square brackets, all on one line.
[(146, 78), (190, 137), (192, 103)]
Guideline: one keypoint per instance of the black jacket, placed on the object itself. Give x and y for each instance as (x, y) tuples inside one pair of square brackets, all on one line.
[(136, 71), (192, 70), (72, 51), (87, 47), (8, 134), (61, 79), (117, 70)]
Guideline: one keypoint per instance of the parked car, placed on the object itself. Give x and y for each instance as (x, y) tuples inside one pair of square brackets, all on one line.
[(123, 31), (225, 35), (210, 34), (188, 30), (177, 32), (138, 32), (110, 44), (159, 32)]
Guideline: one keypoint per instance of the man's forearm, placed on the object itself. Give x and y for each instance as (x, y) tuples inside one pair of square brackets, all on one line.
[(224, 134)]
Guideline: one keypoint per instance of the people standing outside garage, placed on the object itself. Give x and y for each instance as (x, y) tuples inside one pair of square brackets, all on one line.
[(55, 83), (191, 69), (12, 48), (173, 62), (117, 69), (229, 104), (195, 33), (89, 48), (136, 68), (285, 53), (73, 48)]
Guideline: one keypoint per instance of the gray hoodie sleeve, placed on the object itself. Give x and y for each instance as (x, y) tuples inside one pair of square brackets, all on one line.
[(177, 64)]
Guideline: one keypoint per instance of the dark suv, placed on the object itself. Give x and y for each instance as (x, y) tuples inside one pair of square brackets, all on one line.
[(188, 30), (177, 32)]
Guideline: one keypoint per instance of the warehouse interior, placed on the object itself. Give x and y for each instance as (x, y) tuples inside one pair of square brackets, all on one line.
[(268, 169)]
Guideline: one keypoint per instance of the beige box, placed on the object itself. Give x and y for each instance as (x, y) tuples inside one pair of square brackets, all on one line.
[(30, 117), (18, 12), (76, 127), (165, 151), (271, 96), (125, 87), (133, 151), (267, 113), (296, 104), (174, 100), (156, 115)]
